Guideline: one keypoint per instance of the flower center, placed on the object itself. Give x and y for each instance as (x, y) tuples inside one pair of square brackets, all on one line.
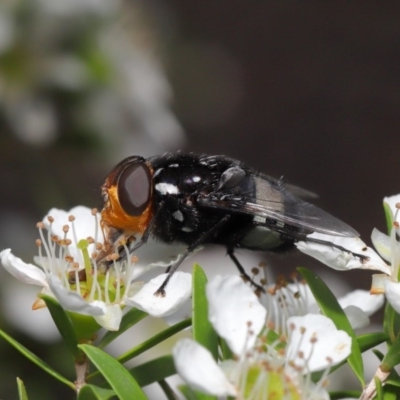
[(71, 261)]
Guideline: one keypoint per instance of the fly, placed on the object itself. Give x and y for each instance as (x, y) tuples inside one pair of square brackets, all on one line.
[(198, 199)]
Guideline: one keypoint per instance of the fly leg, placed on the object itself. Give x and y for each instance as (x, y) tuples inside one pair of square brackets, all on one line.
[(243, 273), (202, 239)]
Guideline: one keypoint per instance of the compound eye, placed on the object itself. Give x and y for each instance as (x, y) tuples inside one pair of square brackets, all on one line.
[(134, 187)]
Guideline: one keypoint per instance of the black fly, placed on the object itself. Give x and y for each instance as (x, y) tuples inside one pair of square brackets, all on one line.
[(201, 199)]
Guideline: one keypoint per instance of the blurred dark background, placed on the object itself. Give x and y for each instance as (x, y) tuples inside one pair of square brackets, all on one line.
[(305, 90)]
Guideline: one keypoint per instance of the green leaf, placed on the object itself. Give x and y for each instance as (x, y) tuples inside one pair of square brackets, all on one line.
[(148, 344), (370, 340), (22, 395), (344, 394), (91, 392), (392, 357), (169, 393), (379, 391), (203, 331), (132, 317), (188, 393), (154, 370), (388, 217), (64, 325), (393, 379), (225, 350), (156, 339), (391, 323), (330, 307), (86, 327), (118, 377), (379, 355), (36, 360), (390, 393)]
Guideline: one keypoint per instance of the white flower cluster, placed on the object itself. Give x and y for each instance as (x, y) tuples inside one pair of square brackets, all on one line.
[(260, 370), (303, 340)]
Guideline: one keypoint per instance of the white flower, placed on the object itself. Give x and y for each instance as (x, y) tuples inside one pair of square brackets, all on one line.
[(260, 367), (339, 259), (232, 306), (389, 249), (284, 300), (178, 290), (197, 367), (358, 305), (68, 270)]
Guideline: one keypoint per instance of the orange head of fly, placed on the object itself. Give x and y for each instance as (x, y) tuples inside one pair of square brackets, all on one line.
[(127, 194)]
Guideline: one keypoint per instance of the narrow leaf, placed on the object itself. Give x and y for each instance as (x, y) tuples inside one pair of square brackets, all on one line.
[(188, 392), (394, 379), (390, 393), (388, 217), (154, 370), (64, 325), (337, 395), (330, 307), (392, 357), (379, 391), (391, 323), (379, 355), (132, 317), (36, 360), (225, 350), (150, 343), (22, 395), (203, 332), (118, 377), (370, 340), (169, 393), (91, 392), (156, 339)]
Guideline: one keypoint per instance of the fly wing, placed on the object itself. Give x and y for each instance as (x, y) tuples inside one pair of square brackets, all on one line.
[(262, 196)]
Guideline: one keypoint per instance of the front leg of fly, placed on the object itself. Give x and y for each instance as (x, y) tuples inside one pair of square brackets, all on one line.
[(245, 276), (204, 238)]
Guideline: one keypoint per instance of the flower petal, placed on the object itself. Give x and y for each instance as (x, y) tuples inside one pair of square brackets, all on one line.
[(235, 312), (392, 291), (178, 290), (342, 260), (72, 301), (382, 244), (356, 316), (364, 300), (85, 225), (197, 367), (184, 312), (112, 317), (27, 273), (315, 343), (391, 201)]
